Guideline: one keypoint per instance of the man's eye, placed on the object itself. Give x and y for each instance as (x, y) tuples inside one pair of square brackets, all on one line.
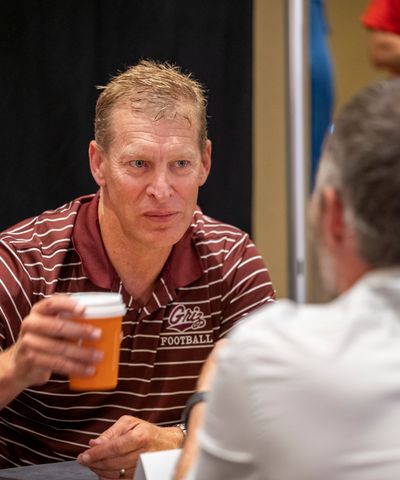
[(182, 163), (137, 163)]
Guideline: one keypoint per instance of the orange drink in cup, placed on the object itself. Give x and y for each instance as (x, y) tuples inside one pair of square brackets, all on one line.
[(103, 310)]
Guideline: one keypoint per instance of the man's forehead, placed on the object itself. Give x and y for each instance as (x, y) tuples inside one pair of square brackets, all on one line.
[(181, 114), (137, 127), (149, 134)]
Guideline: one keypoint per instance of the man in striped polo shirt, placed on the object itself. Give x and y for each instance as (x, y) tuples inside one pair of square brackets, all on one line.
[(185, 278)]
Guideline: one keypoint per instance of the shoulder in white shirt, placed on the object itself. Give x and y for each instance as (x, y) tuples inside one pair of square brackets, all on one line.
[(310, 392)]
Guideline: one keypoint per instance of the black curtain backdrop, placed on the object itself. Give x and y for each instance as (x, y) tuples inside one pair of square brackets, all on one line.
[(54, 53)]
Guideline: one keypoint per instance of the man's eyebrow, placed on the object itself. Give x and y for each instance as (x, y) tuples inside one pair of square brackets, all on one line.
[(135, 150), (185, 149)]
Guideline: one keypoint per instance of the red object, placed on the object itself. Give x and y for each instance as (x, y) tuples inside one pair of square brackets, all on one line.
[(382, 15)]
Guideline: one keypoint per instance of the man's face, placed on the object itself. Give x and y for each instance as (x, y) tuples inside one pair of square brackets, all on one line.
[(150, 176)]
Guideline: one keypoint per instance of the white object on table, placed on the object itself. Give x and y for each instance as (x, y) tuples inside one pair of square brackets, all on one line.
[(157, 465)]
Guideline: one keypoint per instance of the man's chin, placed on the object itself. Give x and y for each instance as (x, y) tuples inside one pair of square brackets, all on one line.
[(164, 237)]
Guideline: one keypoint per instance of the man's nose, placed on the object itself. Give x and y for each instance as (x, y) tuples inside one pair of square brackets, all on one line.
[(160, 186)]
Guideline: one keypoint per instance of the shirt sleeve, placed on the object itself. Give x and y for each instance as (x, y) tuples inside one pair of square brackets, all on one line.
[(246, 283), (225, 441), (382, 15), (15, 302)]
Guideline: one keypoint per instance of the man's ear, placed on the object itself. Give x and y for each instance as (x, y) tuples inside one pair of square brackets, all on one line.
[(334, 224), (96, 159), (205, 163)]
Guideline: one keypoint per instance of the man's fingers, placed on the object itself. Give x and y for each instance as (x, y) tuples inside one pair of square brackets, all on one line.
[(123, 425), (50, 326), (105, 450), (114, 459), (113, 470), (57, 304), (109, 466), (36, 345), (47, 364), (105, 474)]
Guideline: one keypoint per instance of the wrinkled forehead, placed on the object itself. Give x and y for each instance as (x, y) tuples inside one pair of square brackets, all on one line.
[(183, 114)]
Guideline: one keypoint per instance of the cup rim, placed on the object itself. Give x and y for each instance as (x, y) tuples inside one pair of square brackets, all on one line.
[(100, 304)]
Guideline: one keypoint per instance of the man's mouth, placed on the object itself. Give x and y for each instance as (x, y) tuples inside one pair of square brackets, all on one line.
[(161, 217)]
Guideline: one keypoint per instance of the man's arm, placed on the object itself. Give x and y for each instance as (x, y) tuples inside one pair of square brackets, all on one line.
[(218, 439), (196, 418), (10, 388), (384, 50), (191, 447)]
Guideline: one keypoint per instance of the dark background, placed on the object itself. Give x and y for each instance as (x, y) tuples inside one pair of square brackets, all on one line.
[(54, 53)]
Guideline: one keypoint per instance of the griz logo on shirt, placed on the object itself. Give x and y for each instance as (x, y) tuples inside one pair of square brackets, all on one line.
[(186, 320)]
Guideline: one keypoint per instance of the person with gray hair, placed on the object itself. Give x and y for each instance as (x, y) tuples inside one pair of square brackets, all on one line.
[(314, 390), (186, 280)]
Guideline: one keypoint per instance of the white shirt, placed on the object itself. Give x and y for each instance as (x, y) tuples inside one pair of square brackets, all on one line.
[(310, 392)]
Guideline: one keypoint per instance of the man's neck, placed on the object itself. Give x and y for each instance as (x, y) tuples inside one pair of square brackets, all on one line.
[(351, 273), (137, 269), (138, 266)]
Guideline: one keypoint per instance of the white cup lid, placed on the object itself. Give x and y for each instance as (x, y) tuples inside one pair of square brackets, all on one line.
[(100, 304)]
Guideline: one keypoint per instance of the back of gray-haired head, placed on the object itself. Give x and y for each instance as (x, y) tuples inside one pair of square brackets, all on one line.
[(361, 159)]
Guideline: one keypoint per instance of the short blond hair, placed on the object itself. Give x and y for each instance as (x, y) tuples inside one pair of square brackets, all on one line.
[(152, 86)]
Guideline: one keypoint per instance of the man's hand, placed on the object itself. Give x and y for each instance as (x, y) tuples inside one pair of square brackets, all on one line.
[(119, 446), (47, 343)]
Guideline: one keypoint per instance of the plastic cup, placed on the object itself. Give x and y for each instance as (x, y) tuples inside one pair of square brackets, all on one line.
[(105, 311)]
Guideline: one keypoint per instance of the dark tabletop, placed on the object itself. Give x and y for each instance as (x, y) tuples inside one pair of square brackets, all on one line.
[(49, 471)]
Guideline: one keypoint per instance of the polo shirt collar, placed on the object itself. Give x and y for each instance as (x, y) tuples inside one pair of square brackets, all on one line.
[(182, 267)]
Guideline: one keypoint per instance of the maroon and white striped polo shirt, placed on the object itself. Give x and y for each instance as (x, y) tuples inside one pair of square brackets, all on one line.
[(213, 277)]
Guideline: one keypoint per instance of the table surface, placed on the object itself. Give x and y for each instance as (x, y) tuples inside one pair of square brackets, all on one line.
[(51, 471)]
